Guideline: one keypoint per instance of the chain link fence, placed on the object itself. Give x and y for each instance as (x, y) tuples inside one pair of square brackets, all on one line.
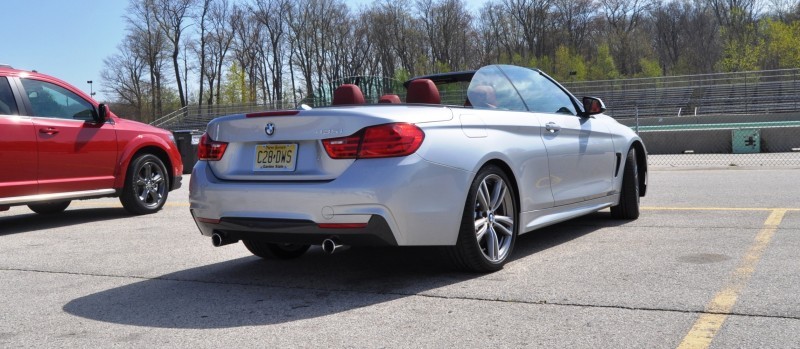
[(709, 120)]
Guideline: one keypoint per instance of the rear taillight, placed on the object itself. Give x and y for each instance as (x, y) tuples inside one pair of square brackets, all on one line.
[(209, 149), (343, 148), (382, 141)]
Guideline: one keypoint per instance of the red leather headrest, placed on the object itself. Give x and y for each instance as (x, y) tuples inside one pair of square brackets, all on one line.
[(394, 99), (348, 94), (423, 91)]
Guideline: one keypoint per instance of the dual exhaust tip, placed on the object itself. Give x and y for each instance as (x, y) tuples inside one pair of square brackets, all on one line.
[(218, 240), (329, 245)]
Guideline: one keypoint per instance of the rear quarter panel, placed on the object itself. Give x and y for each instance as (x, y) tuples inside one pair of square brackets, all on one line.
[(476, 137)]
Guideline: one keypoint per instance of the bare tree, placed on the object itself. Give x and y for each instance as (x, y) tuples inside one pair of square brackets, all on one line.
[(218, 38), (247, 40), (311, 28), (733, 13), (271, 15), (574, 17), (123, 78), (447, 26), (670, 33), (533, 18), (623, 18), (171, 17), (149, 43), (202, 18)]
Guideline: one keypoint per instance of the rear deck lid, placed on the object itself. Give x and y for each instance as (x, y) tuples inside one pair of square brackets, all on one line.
[(287, 145)]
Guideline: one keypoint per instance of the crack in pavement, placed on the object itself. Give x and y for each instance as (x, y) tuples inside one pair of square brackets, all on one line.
[(395, 293)]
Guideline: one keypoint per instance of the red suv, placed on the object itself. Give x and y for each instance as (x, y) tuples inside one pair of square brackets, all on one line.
[(57, 144)]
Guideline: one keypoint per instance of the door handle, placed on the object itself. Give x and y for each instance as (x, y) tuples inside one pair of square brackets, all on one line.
[(48, 130), (552, 127)]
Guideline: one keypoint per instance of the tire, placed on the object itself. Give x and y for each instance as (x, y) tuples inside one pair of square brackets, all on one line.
[(269, 250), (146, 185), (628, 207), (488, 231), (49, 207)]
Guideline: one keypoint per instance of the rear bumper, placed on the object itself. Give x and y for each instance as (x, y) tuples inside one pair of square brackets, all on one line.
[(375, 233), (404, 201)]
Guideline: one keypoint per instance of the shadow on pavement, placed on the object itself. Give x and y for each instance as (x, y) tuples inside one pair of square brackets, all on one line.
[(23, 223), (250, 291)]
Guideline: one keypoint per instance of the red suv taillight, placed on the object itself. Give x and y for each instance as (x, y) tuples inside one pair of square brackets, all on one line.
[(209, 149), (382, 141)]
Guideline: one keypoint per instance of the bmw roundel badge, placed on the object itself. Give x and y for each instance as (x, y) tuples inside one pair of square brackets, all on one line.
[(270, 129)]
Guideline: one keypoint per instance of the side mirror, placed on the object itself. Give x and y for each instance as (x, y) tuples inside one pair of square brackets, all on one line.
[(593, 105), (102, 113)]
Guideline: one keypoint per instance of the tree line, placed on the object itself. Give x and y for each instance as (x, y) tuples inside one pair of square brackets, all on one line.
[(206, 52)]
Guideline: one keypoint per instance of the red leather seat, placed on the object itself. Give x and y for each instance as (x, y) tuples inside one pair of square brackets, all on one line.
[(348, 94), (423, 91), (393, 99)]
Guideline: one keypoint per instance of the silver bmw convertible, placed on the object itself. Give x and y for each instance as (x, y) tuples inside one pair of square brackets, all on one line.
[(469, 161)]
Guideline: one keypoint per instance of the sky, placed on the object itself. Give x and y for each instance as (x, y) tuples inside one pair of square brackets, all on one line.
[(65, 39), (69, 39)]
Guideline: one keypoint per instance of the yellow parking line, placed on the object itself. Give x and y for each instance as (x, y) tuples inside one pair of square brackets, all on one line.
[(709, 323), (177, 204), (660, 208)]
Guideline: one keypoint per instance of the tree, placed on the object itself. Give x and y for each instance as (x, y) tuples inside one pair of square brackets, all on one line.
[(568, 66), (219, 38), (171, 17), (123, 78), (603, 66), (270, 13), (574, 18), (533, 18), (780, 49), (623, 18), (149, 43), (448, 28), (203, 17)]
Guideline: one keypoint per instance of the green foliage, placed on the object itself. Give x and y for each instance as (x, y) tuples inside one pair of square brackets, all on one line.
[(650, 68), (544, 63), (170, 99), (441, 67), (568, 65), (516, 59), (233, 89), (781, 48), (603, 67), (402, 75), (741, 51)]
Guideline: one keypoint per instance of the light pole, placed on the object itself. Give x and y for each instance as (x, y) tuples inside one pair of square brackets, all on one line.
[(91, 93)]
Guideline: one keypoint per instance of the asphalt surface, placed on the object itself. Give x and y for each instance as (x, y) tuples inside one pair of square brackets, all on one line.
[(711, 262)]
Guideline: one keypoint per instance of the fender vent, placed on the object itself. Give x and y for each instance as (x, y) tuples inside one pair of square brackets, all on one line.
[(619, 160)]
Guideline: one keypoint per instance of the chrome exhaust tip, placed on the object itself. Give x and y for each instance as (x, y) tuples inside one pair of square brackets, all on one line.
[(218, 240), (330, 246)]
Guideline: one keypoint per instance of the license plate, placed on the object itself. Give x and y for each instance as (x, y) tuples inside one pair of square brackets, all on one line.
[(275, 157)]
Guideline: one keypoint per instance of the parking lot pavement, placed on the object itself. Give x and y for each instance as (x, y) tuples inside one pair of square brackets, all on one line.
[(712, 262)]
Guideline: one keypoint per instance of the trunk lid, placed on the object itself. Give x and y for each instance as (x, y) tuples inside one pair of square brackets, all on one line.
[(294, 151)]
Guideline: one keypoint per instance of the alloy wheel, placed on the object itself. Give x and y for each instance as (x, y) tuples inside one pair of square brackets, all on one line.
[(150, 185), (494, 218)]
